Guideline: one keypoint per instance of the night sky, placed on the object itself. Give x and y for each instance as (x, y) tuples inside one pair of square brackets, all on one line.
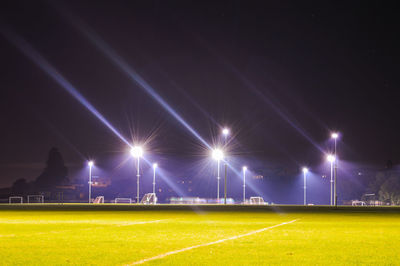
[(281, 74)]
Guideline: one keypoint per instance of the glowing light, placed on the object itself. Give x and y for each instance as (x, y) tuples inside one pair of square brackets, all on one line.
[(331, 158), (244, 168), (155, 165), (334, 135), (225, 131), (137, 151), (305, 170), (217, 154), (90, 163), (128, 70)]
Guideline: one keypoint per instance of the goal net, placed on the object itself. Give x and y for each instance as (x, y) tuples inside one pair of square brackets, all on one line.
[(123, 200), (98, 200), (257, 201), (35, 199), (149, 198), (15, 199)]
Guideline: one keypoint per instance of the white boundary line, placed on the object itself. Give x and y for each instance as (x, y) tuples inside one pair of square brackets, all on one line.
[(209, 244)]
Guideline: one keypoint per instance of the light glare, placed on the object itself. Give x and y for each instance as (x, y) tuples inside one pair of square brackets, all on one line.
[(217, 154), (137, 151), (334, 135), (331, 158), (90, 163), (225, 132), (305, 170)]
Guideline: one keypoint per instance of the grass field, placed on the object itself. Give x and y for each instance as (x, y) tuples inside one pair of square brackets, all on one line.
[(205, 235)]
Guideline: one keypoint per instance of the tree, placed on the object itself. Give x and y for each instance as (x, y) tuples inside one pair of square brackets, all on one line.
[(390, 190), (20, 187), (55, 172)]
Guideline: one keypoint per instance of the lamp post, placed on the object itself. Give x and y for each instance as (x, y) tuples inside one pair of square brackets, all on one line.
[(90, 164), (218, 155), (305, 171), (331, 158), (137, 152), (225, 132), (244, 184), (335, 136), (154, 177)]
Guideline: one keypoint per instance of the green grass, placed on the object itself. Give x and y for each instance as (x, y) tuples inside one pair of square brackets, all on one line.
[(119, 235)]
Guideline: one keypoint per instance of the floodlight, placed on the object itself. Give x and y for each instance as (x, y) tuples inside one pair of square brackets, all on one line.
[(155, 165), (334, 135), (305, 170), (331, 158), (217, 154), (244, 168), (225, 131), (90, 163), (137, 152)]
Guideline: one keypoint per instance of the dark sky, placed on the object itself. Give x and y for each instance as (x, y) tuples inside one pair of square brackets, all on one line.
[(280, 74)]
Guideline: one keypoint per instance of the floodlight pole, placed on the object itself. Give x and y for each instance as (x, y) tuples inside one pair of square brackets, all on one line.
[(335, 173), (331, 199), (244, 185), (154, 178), (305, 187), (137, 181), (218, 177), (90, 182), (226, 171)]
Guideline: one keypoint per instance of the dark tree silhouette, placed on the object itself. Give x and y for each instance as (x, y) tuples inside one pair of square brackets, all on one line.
[(55, 172), (20, 187)]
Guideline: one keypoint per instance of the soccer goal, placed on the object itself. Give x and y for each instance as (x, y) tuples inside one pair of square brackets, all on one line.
[(35, 199), (123, 200), (257, 201), (15, 199), (149, 198), (98, 200)]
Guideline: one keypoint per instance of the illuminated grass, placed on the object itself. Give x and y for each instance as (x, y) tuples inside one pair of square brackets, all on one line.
[(119, 235)]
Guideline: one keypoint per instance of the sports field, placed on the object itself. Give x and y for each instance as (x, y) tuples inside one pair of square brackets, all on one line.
[(202, 235)]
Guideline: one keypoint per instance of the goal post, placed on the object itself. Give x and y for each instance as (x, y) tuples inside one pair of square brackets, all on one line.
[(15, 200), (98, 200), (123, 200), (35, 198), (257, 201), (149, 198)]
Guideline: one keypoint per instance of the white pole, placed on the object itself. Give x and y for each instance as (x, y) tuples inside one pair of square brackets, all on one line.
[(137, 181), (335, 173), (331, 182), (218, 182), (90, 183), (305, 187), (244, 185), (154, 179)]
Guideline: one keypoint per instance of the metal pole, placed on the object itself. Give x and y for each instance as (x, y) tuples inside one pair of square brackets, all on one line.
[(244, 186), (331, 201), (225, 184), (335, 173), (90, 183), (154, 180), (218, 182), (137, 182), (226, 170), (305, 187)]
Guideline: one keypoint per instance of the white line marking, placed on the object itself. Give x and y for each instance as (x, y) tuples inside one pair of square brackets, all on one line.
[(210, 243)]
